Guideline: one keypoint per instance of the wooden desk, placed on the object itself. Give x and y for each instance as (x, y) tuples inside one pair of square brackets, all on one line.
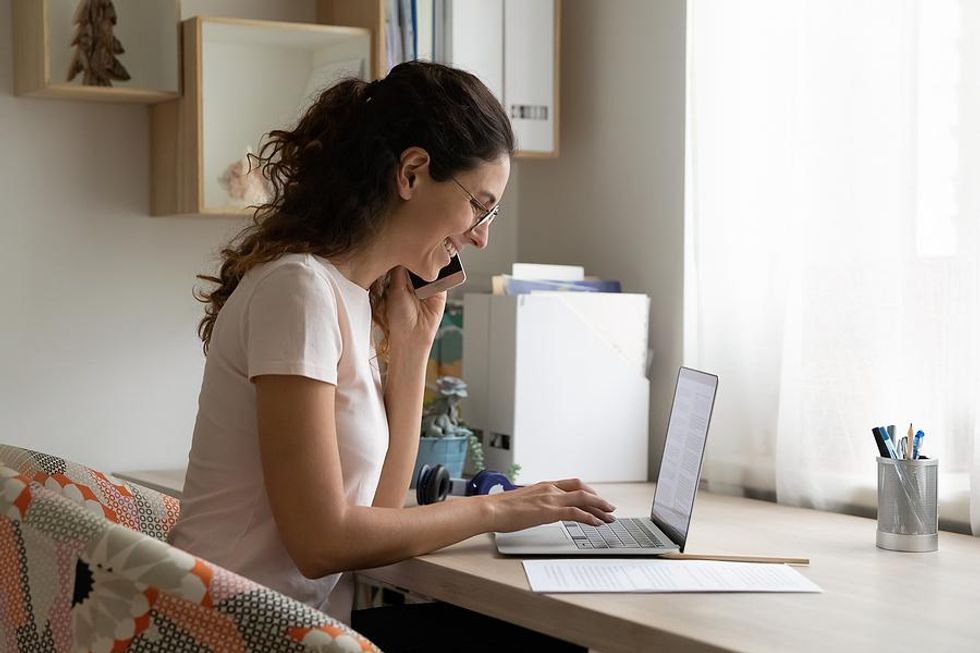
[(873, 600), (867, 604)]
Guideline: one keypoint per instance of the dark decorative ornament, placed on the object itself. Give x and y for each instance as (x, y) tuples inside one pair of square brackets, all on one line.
[(83, 583), (95, 45)]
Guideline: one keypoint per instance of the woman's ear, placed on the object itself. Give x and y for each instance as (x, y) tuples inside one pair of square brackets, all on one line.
[(413, 166)]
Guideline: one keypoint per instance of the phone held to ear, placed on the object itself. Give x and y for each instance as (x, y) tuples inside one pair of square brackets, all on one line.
[(449, 277)]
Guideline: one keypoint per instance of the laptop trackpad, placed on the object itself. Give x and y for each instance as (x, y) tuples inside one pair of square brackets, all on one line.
[(544, 535)]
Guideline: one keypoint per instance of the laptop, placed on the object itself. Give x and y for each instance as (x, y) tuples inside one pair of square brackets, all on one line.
[(665, 530)]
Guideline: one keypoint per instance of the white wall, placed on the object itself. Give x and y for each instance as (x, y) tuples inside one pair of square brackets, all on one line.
[(613, 200), (99, 359)]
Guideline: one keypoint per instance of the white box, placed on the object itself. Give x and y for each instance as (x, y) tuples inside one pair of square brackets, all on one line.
[(557, 383)]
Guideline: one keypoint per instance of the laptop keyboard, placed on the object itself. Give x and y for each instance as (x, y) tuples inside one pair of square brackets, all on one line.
[(621, 534)]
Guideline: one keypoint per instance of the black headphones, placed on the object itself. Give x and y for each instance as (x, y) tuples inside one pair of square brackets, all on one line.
[(433, 484)]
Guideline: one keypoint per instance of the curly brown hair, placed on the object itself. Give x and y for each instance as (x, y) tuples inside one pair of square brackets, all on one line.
[(332, 176)]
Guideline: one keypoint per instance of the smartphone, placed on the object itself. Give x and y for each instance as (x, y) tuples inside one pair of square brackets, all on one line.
[(449, 277)]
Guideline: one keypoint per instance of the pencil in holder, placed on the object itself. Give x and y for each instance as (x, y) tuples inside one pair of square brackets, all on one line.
[(908, 516)]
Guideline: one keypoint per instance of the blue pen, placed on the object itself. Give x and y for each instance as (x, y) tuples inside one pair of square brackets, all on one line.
[(889, 445), (882, 451), (916, 441)]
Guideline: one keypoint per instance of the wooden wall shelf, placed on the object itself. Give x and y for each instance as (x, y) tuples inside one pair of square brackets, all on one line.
[(242, 78), (42, 34)]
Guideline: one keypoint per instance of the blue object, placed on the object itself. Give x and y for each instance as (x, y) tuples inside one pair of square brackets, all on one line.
[(889, 445), (488, 482), (916, 441), (433, 484), (415, 30), (450, 452), (523, 286)]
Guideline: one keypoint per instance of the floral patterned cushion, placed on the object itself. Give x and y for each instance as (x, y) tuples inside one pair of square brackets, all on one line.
[(137, 507), (72, 580)]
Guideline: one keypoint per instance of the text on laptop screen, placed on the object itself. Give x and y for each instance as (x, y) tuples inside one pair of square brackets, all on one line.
[(680, 467)]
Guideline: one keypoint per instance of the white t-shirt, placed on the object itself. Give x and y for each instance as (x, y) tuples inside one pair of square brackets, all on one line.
[(295, 315)]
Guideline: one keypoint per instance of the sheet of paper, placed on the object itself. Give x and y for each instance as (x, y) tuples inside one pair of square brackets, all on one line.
[(548, 272), (578, 575)]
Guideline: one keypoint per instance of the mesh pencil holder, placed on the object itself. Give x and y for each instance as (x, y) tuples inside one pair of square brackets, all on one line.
[(908, 518)]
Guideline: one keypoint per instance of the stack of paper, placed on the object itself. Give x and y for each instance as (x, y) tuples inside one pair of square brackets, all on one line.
[(652, 575), (535, 277)]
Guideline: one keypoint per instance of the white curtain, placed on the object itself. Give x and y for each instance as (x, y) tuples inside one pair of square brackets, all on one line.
[(832, 214)]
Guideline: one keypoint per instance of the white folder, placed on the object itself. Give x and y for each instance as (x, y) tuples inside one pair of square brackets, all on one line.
[(557, 383)]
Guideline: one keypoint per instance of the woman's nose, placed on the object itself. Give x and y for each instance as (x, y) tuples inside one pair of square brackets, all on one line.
[(480, 236)]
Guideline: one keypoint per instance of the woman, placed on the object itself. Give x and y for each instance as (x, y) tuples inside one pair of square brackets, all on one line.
[(302, 456)]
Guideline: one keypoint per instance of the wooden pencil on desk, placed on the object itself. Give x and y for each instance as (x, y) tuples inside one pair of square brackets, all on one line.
[(796, 562)]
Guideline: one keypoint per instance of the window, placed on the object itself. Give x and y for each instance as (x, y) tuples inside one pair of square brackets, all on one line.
[(832, 240)]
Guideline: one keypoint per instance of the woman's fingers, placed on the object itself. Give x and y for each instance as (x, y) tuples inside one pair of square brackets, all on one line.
[(572, 484), (579, 515), (601, 514), (580, 501), (399, 281), (544, 503), (574, 492), (585, 498)]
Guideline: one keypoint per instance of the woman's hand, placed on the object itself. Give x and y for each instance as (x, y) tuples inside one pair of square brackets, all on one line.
[(412, 322), (544, 503)]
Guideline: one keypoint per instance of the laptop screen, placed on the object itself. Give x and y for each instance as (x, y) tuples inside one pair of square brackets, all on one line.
[(680, 467)]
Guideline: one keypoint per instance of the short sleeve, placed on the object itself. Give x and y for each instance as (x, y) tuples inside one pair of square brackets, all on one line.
[(292, 325)]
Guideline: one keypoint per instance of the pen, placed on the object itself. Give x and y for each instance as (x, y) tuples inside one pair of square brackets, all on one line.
[(916, 443), (889, 445)]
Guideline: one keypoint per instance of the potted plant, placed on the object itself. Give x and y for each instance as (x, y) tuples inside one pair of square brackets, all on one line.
[(444, 437)]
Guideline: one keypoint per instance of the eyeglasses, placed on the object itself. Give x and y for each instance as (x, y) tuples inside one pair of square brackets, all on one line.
[(485, 216)]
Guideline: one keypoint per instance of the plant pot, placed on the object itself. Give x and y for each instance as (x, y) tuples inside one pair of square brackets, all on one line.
[(449, 452)]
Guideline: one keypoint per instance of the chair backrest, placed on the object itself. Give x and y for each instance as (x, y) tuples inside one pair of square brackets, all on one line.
[(72, 580), (142, 509)]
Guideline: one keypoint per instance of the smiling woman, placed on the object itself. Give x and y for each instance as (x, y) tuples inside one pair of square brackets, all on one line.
[(302, 454), (335, 175)]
